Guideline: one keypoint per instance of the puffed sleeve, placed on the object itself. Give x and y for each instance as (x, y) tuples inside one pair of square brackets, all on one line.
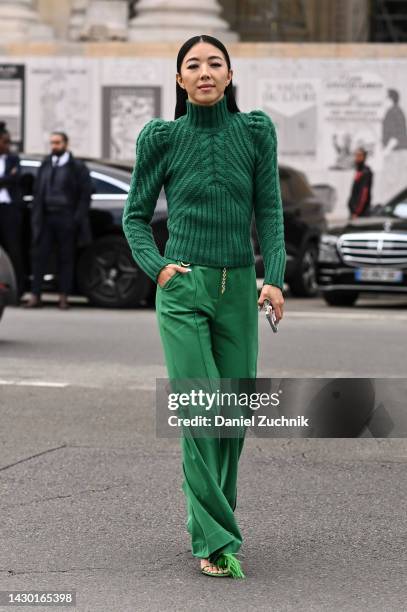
[(268, 209), (147, 179)]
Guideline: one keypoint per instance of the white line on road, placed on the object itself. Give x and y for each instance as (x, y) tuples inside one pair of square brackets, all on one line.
[(388, 315), (34, 383)]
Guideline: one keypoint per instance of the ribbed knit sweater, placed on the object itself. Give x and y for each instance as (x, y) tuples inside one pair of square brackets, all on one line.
[(217, 169)]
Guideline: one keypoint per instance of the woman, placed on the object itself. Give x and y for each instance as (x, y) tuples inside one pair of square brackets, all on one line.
[(217, 165)]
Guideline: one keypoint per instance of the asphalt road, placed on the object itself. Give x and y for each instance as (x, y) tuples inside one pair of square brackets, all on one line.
[(91, 499)]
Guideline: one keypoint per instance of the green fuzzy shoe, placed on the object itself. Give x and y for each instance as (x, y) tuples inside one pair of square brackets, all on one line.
[(228, 561)]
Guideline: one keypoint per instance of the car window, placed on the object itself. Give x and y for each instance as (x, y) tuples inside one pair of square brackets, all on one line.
[(299, 186), (400, 198), (103, 184)]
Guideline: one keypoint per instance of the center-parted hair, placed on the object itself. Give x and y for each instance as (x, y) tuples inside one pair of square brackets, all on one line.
[(182, 95)]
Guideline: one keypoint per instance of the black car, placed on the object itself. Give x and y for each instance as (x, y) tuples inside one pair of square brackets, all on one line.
[(365, 255), (106, 272), (8, 282), (304, 222)]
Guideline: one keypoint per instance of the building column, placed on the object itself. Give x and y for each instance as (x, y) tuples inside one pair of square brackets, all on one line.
[(77, 18), (20, 22), (105, 20), (177, 20), (351, 20)]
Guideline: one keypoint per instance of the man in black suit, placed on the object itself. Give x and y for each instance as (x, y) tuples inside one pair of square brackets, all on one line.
[(60, 213), (11, 206)]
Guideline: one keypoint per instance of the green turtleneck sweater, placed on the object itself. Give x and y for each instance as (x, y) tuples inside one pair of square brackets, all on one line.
[(217, 168)]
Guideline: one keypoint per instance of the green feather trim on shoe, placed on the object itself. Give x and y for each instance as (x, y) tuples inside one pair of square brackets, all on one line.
[(229, 561)]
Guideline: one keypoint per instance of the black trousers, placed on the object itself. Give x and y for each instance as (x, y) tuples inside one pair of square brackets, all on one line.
[(11, 239), (58, 227)]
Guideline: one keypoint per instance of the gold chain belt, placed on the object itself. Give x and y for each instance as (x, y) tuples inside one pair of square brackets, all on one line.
[(223, 287), (223, 280)]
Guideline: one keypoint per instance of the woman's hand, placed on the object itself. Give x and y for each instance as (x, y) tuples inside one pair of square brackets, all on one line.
[(274, 294), (166, 273)]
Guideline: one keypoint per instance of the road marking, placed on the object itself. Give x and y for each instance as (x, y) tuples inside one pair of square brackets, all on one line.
[(33, 383), (388, 316)]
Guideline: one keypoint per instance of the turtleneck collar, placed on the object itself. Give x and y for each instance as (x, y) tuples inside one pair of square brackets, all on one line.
[(203, 116)]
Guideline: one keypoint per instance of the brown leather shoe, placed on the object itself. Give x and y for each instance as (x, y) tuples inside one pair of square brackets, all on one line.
[(33, 302), (63, 303)]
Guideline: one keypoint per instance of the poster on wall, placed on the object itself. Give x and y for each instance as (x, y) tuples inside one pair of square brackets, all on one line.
[(367, 108), (292, 105), (12, 102), (393, 146), (352, 110), (125, 110), (324, 109), (59, 95)]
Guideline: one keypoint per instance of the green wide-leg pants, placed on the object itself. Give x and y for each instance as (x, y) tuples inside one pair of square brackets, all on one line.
[(208, 323)]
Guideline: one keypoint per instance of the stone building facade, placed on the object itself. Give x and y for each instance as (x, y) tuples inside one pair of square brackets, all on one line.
[(174, 20)]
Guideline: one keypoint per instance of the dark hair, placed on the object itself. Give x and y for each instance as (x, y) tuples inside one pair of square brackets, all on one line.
[(3, 129), (182, 95), (63, 135), (393, 95), (363, 151)]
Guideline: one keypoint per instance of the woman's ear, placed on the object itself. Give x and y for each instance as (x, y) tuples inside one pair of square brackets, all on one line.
[(179, 80)]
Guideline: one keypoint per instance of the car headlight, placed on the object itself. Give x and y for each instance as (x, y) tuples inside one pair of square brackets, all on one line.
[(328, 252)]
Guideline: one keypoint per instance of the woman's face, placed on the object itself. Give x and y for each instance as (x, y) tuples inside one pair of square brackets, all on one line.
[(204, 64)]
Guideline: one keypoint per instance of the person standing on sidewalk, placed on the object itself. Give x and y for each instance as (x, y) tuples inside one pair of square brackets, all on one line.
[(361, 192), (11, 212), (59, 214), (218, 166)]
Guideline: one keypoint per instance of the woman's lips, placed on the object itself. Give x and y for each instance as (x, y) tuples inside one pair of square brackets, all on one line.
[(206, 87)]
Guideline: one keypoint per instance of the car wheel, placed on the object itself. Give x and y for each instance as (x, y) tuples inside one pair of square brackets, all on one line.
[(340, 298), (304, 281), (108, 276)]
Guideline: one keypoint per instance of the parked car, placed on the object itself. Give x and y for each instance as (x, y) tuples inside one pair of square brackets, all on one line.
[(106, 272), (365, 255), (8, 282), (304, 222)]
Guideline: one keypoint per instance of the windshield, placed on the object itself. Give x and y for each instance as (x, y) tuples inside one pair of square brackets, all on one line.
[(388, 209)]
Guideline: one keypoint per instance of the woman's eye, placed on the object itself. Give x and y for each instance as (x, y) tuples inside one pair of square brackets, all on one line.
[(191, 66)]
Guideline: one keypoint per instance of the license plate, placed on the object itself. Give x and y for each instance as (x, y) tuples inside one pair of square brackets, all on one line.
[(379, 274)]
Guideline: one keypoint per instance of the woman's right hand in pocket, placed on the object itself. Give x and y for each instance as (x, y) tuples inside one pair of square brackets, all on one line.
[(168, 271)]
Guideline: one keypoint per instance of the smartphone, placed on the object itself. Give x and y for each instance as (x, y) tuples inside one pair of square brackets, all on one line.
[(271, 316)]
